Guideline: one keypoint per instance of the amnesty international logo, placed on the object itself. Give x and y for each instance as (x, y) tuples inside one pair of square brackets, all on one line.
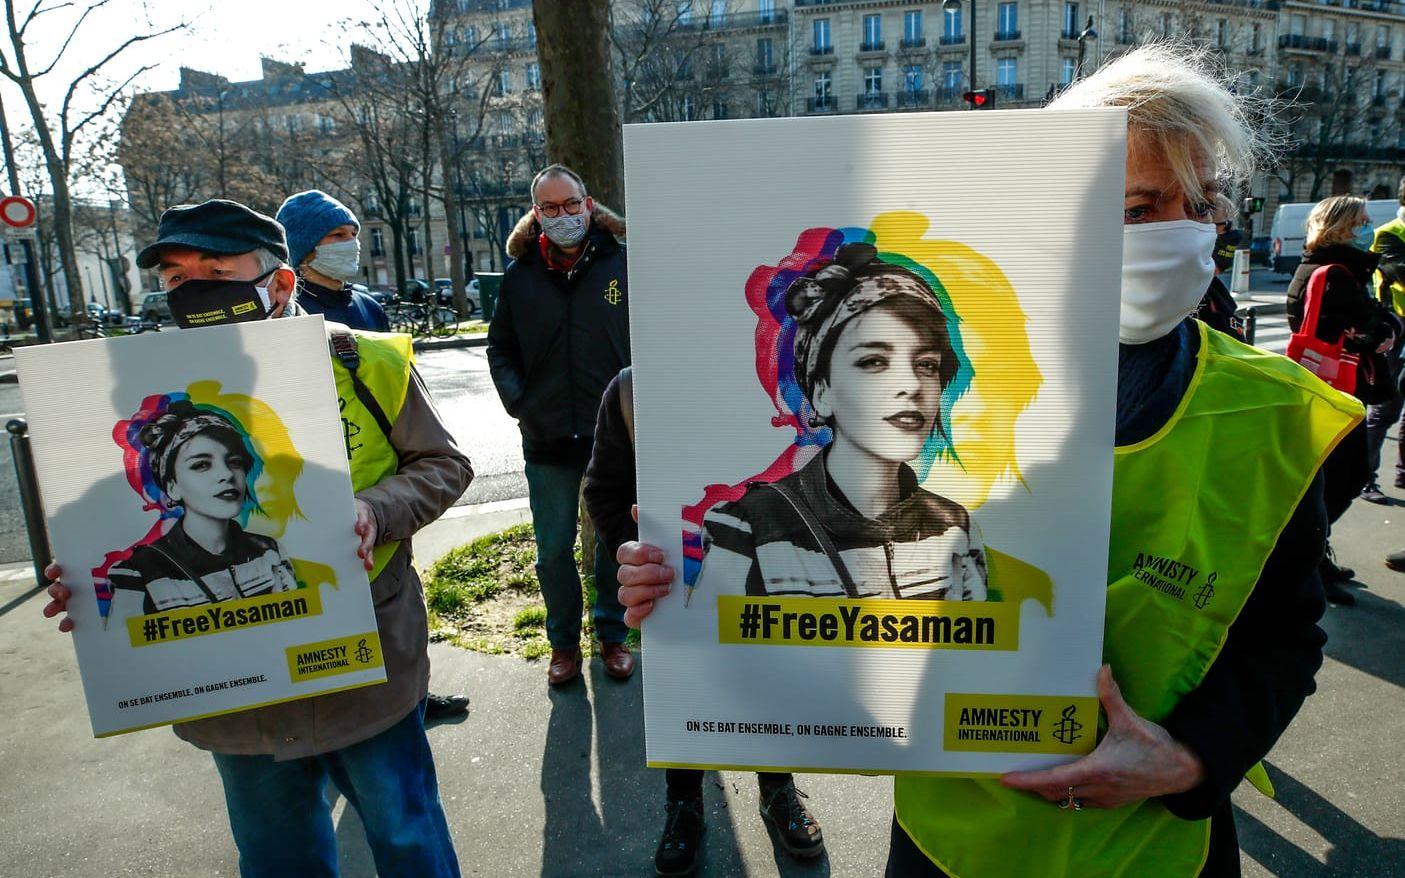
[(364, 653), (1067, 729), (613, 293), (1206, 592)]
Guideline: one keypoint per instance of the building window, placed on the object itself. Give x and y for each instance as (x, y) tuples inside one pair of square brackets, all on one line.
[(1066, 68), (1070, 21), (414, 242), (534, 77), (1383, 36), (1297, 25), (821, 31), (501, 37), (1380, 84), (504, 82), (1006, 72), (953, 76), (530, 30), (1329, 28), (377, 242), (688, 110), (951, 25), (1124, 25), (912, 78), (872, 32), (912, 27), (719, 109), (873, 80), (716, 17), (1222, 33), (1256, 38), (765, 55), (1353, 34), (1167, 23), (1295, 75), (685, 11), (824, 86), (766, 104), (767, 12), (1008, 21)]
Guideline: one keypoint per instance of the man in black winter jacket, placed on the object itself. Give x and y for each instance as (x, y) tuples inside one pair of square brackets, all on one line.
[(560, 333)]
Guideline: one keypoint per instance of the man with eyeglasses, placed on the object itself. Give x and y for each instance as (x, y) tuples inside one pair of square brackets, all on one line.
[(560, 333)]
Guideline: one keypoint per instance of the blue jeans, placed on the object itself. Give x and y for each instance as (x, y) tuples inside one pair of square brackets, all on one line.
[(282, 821), (554, 493)]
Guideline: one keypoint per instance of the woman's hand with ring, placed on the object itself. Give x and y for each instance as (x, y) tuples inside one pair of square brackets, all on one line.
[(1135, 760)]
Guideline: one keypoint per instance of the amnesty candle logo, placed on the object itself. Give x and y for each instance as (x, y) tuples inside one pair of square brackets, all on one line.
[(327, 658), (1018, 723)]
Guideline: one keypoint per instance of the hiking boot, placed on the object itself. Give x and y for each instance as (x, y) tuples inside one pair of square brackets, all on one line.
[(1396, 561), (1331, 571), (797, 829), (444, 706), (1338, 595), (1372, 493), (677, 853)]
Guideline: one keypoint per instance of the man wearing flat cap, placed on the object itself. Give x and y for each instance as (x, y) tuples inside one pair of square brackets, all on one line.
[(221, 263)]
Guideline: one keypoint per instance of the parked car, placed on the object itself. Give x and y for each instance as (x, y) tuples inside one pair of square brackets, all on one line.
[(100, 313), (444, 290), (154, 308)]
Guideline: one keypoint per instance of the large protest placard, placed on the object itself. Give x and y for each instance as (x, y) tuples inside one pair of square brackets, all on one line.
[(200, 507), (875, 361)]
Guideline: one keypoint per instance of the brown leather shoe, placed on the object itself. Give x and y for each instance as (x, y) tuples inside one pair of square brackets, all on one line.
[(565, 666), (619, 661)]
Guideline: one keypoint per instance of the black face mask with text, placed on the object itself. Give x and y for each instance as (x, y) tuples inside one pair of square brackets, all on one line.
[(197, 303)]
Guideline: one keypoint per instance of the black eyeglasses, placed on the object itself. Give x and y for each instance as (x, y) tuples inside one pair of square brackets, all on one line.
[(553, 210)]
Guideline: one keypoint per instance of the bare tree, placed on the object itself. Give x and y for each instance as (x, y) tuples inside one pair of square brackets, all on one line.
[(61, 136)]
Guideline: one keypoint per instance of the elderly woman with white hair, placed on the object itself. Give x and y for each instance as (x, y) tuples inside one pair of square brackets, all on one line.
[(1199, 682), (1218, 451)]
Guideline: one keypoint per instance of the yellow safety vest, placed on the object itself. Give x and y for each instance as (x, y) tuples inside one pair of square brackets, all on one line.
[(1212, 490), (1397, 293), (385, 370)]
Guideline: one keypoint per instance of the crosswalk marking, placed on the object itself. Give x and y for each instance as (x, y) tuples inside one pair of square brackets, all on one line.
[(1271, 333)]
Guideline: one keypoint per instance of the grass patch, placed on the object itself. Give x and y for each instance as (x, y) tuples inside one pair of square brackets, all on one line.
[(485, 597)]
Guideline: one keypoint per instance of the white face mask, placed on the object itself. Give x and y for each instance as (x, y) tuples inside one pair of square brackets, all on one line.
[(339, 261), (1166, 268)]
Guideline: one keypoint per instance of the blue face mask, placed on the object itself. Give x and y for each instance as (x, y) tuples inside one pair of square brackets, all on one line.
[(1365, 236)]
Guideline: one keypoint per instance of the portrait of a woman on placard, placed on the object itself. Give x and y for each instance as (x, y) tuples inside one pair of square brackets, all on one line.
[(873, 356)]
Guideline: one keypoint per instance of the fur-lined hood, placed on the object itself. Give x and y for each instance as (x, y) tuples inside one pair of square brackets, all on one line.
[(524, 235)]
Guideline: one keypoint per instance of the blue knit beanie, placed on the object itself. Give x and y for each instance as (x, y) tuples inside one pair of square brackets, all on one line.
[(308, 217)]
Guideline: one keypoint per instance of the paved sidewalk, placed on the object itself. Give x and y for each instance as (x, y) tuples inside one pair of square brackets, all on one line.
[(542, 783)]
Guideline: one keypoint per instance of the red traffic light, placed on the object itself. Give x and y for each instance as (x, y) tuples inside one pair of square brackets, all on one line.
[(976, 99)]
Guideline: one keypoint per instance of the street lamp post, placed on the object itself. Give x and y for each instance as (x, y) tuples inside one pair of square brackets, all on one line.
[(1083, 38), (955, 6)]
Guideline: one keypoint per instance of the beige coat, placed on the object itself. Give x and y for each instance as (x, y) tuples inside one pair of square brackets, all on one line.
[(433, 474)]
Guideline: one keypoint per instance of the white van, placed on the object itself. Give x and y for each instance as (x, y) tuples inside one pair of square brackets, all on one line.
[(1290, 228)]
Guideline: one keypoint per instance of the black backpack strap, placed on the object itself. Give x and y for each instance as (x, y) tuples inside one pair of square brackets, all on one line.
[(343, 346), (817, 531)]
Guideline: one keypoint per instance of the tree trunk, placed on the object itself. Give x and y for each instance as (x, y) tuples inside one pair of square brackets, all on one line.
[(63, 203), (451, 222), (397, 248), (578, 93)]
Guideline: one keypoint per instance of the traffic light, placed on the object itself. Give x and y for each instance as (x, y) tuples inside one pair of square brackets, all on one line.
[(982, 99), (1252, 205)]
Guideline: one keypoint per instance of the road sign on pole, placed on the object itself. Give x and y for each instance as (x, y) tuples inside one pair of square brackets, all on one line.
[(17, 212)]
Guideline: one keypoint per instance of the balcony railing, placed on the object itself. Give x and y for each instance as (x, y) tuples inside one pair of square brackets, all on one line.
[(949, 94), (911, 98), (1067, 34), (1383, 53), (731, 20), (1353, 49), (1004, 36), (1311, 44), (874, 100), (872, 47), (953, 39), (1011, 91), (765, 69), (914, 42), (822, 50), (820, 105)]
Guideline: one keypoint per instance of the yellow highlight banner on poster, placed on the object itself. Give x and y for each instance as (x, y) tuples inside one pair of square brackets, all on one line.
[(340, 655), (885, 624), (224, 616), (1020, 723)]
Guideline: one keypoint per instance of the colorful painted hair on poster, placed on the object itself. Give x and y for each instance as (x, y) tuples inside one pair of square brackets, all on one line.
[(936, 314), (207, 463)]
